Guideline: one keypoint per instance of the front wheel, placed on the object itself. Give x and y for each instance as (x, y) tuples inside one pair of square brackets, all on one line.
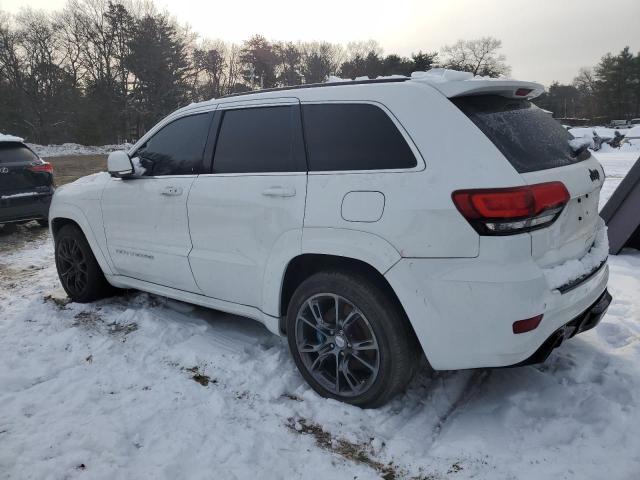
[(78, 269), (349, 340)]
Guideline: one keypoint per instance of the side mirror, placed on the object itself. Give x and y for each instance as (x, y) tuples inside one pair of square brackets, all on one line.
[(119, 164)]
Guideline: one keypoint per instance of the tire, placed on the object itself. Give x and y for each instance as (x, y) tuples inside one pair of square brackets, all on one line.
[(374, 329), (78, 270)]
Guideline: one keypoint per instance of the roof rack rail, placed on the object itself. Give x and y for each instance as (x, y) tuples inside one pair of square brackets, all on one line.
[(318, 85)]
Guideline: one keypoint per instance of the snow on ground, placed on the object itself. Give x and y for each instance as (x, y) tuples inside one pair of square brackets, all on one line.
[(616, 164), (75, 149), (138, 386), (604, 132)]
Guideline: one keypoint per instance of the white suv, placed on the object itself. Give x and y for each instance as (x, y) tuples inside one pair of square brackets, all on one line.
[(370, 222)]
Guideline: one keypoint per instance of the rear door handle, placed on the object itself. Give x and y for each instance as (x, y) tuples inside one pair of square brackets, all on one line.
[(171, 191), (279, 192)]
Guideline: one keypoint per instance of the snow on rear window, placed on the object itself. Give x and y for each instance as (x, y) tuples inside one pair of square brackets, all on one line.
[(527, 136)]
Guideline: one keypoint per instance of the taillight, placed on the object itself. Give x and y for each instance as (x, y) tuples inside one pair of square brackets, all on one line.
[(507, 211), (42, 167)]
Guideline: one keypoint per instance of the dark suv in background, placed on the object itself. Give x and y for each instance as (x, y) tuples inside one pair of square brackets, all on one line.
[(26, 183)]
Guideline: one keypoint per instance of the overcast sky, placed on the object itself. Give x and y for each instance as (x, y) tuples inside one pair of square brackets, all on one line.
[(544, 40)]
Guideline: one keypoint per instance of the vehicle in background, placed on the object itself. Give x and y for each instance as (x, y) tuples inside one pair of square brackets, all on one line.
[(634, 121), (370, 222), (618, 124), (26, 183)]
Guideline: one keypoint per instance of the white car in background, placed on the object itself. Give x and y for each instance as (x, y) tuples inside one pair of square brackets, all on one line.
[(370, 222)]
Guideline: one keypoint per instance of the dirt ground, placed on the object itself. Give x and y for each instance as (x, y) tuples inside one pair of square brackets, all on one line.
[(70, 168)]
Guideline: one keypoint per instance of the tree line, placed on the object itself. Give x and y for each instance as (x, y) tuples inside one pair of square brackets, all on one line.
[(102, 71), (608, 91)]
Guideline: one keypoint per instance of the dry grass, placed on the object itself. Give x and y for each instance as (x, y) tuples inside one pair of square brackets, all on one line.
[(69, 168)]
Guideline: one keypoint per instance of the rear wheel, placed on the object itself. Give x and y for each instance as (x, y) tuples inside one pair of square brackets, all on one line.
[(349, 340), (78, 270)]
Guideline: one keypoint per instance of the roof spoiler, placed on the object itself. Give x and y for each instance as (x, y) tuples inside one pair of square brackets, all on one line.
[(452, 83)]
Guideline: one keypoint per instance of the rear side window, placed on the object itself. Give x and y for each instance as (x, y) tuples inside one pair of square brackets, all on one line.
[(526, 135), (15, 152), (177, 148), (349, 136), (259, 140)]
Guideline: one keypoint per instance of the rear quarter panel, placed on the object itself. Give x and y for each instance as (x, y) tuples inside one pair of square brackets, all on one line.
[(419, 217)]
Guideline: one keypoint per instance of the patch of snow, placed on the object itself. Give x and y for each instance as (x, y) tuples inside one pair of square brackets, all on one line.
[(138, 169), (20, 195), (633, 133), (571, 270), (603, 132), (581, 142), (10, 138), (616, 164), (335, 79), (67, 149), (440, 75)]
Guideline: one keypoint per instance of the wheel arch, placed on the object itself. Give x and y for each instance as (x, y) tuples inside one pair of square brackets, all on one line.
[(66, 214), (307, 264)]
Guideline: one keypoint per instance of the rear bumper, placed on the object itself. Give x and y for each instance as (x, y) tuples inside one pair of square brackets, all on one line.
[(583, 322), (463, 310), (24, 209)]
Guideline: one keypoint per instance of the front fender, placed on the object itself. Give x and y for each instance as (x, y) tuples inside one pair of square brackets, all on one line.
[(68, 211)]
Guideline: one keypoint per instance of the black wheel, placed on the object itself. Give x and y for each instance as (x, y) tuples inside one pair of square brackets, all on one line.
[(349, 339), (78, 270), (43, 222)]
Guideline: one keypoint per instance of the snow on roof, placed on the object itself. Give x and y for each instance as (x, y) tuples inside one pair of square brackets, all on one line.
[(10, 138)]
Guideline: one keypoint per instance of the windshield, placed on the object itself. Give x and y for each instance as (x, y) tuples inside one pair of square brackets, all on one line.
[(526, 135)]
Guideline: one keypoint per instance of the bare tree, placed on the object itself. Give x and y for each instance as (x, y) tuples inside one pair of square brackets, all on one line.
[(319, 60), (480, 57)]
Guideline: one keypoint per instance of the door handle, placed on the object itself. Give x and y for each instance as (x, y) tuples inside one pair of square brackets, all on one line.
[(279, 192), (171, 191)]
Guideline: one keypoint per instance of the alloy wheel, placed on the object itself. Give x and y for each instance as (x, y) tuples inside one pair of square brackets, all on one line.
[(337, 345), (72, 265)]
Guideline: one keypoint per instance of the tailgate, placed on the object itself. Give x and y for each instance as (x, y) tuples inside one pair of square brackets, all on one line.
[(573, 233)]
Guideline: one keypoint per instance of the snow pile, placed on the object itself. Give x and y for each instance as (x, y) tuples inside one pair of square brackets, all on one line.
[(9, 138), (577, 144), (574, 269), (67, 149), (603, 132)]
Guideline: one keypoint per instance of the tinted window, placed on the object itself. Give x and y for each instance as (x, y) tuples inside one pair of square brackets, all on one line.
[(527, 136), (261, 139), (15, 152), (177, 149), (353, 137)]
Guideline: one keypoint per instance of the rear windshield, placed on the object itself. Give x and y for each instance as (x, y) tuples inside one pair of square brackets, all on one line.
[(11, 152), (528, 136)]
